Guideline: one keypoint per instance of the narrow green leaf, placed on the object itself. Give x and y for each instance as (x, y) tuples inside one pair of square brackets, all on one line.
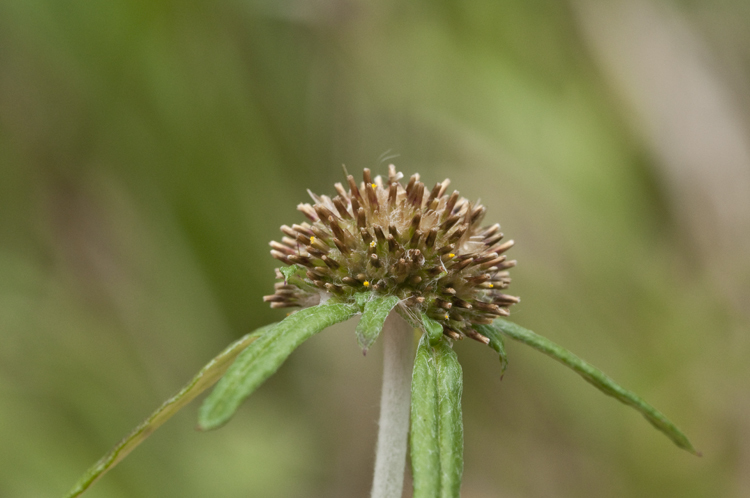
[(434, 329), (451, 431), (497, 343), (597, 378), (424, 439), (373, 318), (204, 379), (264, 357), (436, 424)]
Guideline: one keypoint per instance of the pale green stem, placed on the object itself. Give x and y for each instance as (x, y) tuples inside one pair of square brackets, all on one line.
[(398, 361)]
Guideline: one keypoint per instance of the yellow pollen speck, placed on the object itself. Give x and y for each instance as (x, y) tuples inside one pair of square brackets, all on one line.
[(366, 283), (312, 239), (446, 316), (491, 286), (373, 244), (374, 186), (451, 255)]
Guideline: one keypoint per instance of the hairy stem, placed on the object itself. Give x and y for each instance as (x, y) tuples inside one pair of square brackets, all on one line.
[(398, 360)]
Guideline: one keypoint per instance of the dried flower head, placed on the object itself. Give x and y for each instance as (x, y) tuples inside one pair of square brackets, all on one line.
[(423, 246)]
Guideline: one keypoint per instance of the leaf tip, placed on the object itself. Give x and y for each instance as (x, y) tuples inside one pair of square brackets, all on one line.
[(208, 422), (206, 426), (687, 446), (215, 418), (365, 342)]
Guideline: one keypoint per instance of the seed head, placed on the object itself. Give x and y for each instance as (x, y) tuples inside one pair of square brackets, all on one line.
[(423, 246)]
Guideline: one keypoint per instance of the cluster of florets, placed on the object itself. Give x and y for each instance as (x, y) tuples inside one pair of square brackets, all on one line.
[(423, 246)]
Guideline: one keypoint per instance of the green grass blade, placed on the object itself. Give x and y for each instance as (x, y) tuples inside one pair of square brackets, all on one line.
[(497, 343), (436, 421), (204, 379), (373, 317), (264, 357), (597, 378)]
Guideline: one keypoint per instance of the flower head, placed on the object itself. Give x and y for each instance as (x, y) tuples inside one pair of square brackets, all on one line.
[(425, 247)]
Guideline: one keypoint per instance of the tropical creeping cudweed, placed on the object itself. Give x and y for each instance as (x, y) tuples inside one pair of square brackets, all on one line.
[(406, 258)]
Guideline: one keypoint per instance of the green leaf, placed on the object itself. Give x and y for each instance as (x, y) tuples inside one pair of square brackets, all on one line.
[(597, 378), (451, 432), (497, 343), (362, 298), (204, 379), (264, 357), (436, 427), (294, 274), (373, 318), (289, 271), (424, 439), (434, 329)]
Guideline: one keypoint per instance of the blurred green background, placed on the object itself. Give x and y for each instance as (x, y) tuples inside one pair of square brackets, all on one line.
[(149, 150)]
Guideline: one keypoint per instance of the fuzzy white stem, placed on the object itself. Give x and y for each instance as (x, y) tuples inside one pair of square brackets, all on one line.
[(398, 362)]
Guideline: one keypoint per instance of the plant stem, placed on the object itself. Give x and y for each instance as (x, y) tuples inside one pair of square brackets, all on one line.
[(398, 361)]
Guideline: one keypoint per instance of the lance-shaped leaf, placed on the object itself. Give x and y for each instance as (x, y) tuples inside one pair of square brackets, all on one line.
[(496, 342), (597, 378), (373, 317), (451, 430), (204, 379), (436, 426), (424, 439), (264, 357)]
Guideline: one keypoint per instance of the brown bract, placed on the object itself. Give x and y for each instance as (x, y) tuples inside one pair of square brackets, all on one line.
[(379, 236)]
